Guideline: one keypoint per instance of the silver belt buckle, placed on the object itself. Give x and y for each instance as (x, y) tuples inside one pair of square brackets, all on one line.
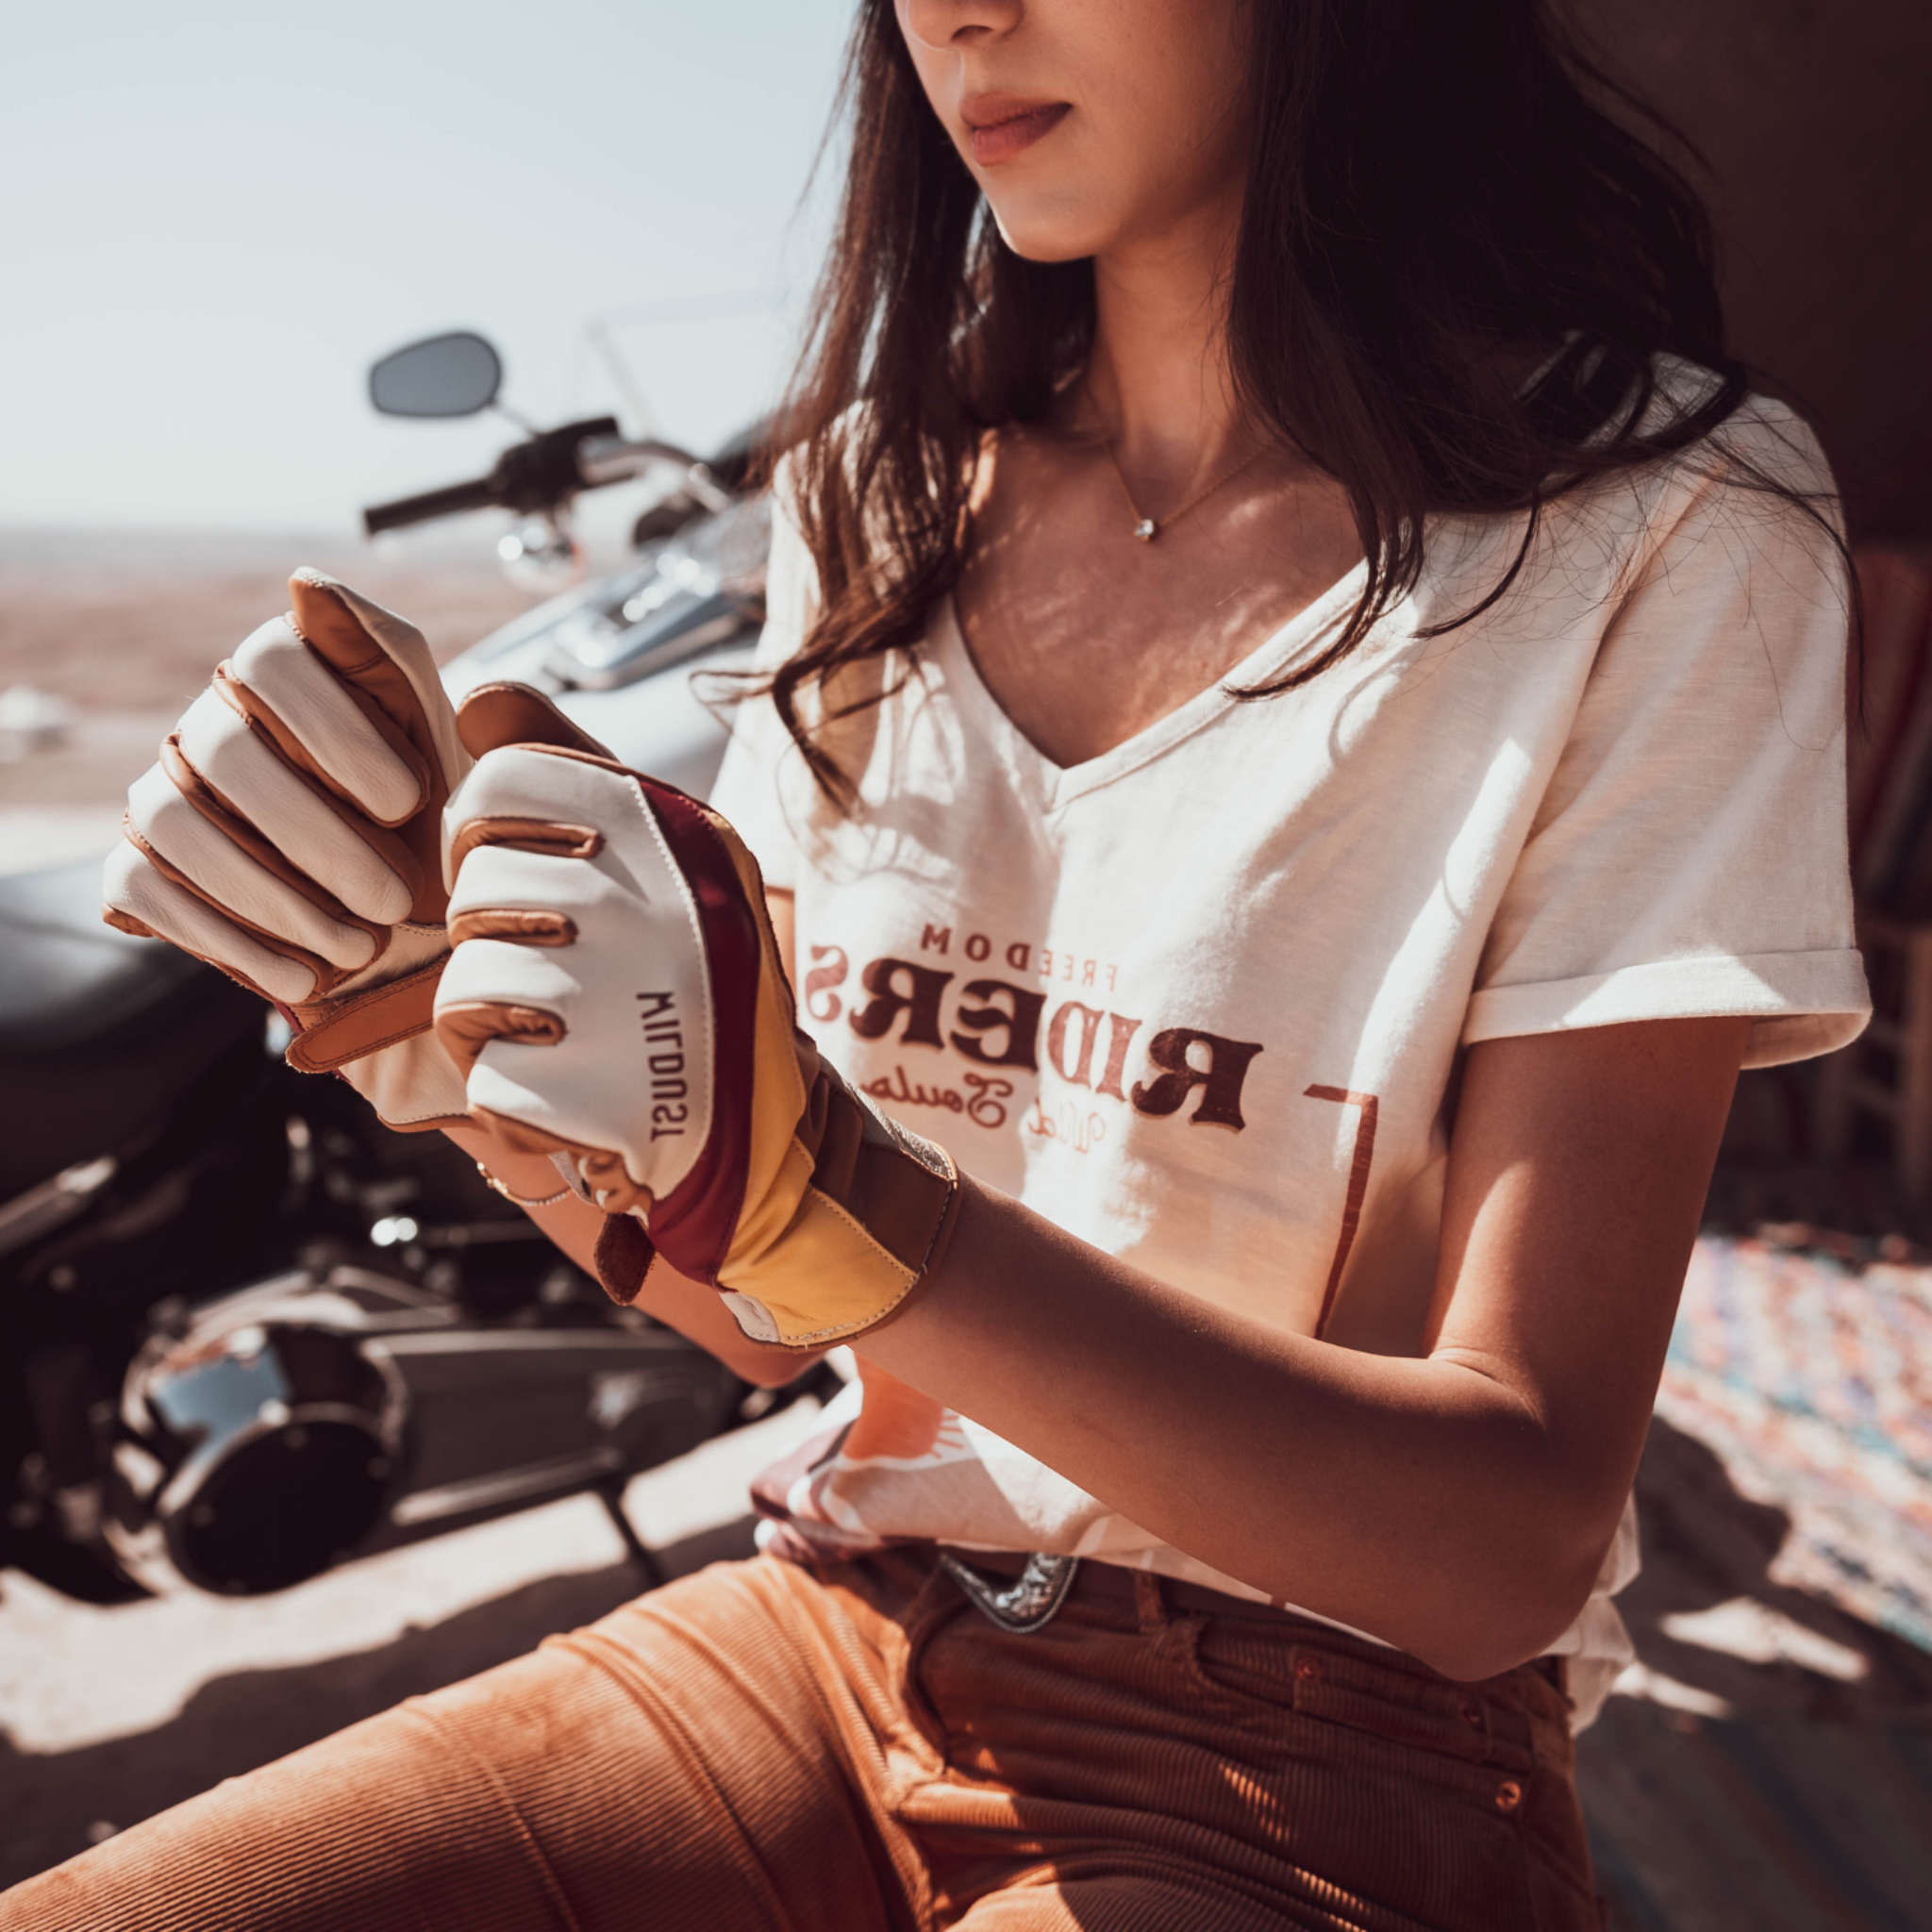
[(1030, 1601)]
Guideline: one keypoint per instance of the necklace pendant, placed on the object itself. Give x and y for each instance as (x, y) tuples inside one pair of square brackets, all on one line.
[(1146, 529)]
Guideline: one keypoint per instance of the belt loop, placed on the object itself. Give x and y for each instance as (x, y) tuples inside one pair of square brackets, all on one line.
[(1148, 1602)]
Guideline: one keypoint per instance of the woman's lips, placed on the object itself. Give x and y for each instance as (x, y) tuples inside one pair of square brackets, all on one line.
[(1000, 132)]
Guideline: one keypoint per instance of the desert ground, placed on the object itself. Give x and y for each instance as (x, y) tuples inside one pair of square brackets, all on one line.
[(124, 628)]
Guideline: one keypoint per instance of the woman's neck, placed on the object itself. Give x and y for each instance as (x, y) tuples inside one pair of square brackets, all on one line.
[(1158, 383)]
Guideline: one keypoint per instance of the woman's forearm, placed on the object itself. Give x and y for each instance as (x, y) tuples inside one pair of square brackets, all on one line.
[(1457, 1505), (1392, 1495), (688, 1307)]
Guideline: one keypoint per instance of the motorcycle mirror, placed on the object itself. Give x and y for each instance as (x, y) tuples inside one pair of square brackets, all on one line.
[(454, 374)]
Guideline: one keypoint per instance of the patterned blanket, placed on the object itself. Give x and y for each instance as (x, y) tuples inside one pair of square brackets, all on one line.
[(1812, 1379)]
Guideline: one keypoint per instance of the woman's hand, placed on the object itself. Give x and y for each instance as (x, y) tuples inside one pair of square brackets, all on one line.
[(290, 834), (1458, 1504), (695, 1310), (615, 997)]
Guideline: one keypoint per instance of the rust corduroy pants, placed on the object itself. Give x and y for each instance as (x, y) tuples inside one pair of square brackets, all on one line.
[(763, 1746)]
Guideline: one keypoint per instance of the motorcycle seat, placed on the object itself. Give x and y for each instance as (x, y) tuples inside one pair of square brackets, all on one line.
[(99, 1031)]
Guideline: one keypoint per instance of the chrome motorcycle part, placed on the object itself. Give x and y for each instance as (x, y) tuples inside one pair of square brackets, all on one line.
[(539, 554), (701, 589), (612, 460), (259, 1445), (310, 1418), (41, 1210)]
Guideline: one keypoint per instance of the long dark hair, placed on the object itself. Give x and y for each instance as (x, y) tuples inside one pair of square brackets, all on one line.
[(1436, 197)]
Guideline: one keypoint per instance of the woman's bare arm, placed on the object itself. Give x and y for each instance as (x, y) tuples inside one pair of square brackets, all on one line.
[(1458, 1505)]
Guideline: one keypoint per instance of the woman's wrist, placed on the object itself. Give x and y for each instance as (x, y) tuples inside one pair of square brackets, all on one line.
[(498, 1186), (528, 1180)]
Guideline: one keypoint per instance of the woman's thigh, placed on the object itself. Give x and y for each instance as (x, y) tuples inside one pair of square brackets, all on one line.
[(760, 1747), (696, 1759), (1122, 1770)]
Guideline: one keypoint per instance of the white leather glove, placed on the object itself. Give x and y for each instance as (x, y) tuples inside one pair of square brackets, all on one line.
[(616, 1000), (292, 836)]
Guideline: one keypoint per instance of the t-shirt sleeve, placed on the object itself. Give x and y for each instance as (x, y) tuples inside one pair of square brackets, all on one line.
[(1689, 858), (750, 787)]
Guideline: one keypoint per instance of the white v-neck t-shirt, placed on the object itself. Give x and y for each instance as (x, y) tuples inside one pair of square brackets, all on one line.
[(1201, 1000)]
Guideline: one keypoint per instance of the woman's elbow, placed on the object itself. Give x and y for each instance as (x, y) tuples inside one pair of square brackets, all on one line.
[(1511, 1617)]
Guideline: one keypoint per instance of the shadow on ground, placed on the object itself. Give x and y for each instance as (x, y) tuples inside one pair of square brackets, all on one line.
[(51, 1803), (1778, 1778)]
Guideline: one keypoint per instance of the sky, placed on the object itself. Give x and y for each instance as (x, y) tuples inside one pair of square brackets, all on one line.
[(214, 215)]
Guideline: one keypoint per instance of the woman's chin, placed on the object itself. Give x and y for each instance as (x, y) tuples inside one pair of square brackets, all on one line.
[(1041, 233)]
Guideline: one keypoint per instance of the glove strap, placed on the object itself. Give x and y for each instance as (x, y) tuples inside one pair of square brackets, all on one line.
[(334, 1032), (623, 1257)]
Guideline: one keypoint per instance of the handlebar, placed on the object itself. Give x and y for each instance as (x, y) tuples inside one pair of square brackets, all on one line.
[(547, 471), (379, 517)]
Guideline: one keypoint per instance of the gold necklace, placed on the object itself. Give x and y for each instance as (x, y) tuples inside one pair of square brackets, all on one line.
[(1146, 527)]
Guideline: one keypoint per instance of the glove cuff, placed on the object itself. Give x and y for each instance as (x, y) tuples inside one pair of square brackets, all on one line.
[(871, 1226), (382, 1042), (336, 1031), (413, 1085)]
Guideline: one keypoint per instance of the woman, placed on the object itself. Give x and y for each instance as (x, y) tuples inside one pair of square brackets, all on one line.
[(1301, 744)]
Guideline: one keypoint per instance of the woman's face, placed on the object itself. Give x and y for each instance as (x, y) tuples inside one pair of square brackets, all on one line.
[(1091, 124)]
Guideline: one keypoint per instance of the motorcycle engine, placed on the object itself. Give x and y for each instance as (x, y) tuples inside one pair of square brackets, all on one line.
[(259, 1451), (306, 1419)]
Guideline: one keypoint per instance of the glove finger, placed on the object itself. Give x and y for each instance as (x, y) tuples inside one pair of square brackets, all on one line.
[(386, 658), (387, 668), (296, 697), (234, 831), (498, 989), (525, 927), (527, 891), (494, 715), (207, 861), (248, 777), (499, 997), (634, 1075), (597, 1175), (137, 898)]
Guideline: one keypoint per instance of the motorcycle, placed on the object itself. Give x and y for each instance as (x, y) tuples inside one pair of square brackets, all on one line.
[(252, 1332)]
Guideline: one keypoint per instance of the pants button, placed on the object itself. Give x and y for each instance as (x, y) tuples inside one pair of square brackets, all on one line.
[(1508, 1795), (1308, 1670)]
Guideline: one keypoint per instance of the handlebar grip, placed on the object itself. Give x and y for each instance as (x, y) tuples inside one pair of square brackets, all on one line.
[(480, 494)]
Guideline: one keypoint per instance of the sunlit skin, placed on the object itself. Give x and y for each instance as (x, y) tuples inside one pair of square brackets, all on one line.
[(1084, 634), (1456, 1500)]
